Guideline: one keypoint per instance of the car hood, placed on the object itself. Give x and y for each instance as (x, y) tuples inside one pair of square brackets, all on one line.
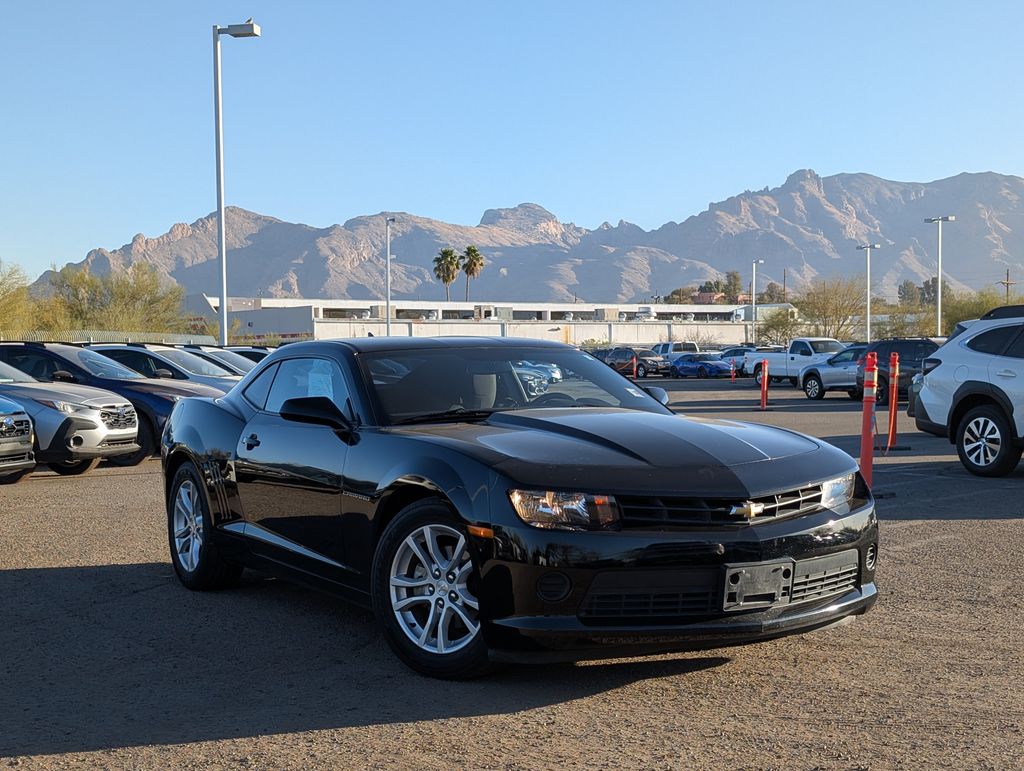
[(162, 386), (62, 392), (628, 451)]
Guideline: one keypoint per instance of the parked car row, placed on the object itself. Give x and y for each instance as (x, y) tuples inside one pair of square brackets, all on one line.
[(71, 406)]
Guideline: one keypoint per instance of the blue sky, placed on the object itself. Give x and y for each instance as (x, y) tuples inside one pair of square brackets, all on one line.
[(645, 111)]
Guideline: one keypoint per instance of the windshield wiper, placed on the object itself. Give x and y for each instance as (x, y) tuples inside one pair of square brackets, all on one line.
[(456, 416)]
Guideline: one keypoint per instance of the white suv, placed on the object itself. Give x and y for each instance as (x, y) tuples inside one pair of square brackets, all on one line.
[(973, 392)]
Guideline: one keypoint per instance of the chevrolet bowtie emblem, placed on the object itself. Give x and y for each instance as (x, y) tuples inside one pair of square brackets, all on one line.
[(747, 510)]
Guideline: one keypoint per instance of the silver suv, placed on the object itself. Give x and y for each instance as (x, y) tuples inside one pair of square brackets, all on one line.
[(972, 391), (16, 456), (76, 426)]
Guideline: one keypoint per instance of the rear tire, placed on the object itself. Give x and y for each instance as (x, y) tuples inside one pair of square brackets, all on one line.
[(813, 388), (702, 372), (984, 442), (757, 374), (857, 396), (73, 468), (404, 570), (882, 391), (194, 553)]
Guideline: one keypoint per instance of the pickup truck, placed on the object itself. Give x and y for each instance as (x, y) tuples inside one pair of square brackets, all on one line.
[(786, 365)]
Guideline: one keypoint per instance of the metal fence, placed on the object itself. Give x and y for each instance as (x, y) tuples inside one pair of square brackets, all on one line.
[(99, 336)]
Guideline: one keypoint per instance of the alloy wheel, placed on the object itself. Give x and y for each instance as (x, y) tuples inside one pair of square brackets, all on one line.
[(982, 441), (812, 387), (188, 526), (429, 593)]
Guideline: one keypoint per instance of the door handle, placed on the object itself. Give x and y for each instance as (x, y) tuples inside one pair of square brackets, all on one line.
[(252, 441), (1006, 373)]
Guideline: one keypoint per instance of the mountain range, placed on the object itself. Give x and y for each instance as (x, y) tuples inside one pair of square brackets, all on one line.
[(810, 226)]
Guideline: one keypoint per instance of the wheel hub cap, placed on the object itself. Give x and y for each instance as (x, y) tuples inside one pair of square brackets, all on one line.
[(982, 441), (188, 526), (429, 593)]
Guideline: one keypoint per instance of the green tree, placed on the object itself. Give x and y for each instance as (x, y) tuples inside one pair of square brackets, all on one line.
[(472, 264), (961, 306), (772, 294), (715, 285), (909, 294), (778, 328), (15, 302), (135, 300), (833, 307), (683, 295), (733, 286), (446, 269), (928, 291)]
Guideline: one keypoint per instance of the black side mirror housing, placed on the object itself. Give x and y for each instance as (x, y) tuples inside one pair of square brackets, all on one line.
[(63, 376), (659, 393), (165, 374), (318, 410)]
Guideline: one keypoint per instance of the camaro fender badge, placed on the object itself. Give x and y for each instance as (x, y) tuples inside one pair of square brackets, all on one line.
[(747, 510)]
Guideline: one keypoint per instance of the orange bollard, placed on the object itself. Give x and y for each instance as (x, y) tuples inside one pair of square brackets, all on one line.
[(764, 384), (634, 366), (867, 440), (732, 370), (894, 395)]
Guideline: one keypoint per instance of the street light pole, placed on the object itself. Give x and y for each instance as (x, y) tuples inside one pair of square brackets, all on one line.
[(867, 250), (753, 300), (248, 29), (938, 281), (387, 277)]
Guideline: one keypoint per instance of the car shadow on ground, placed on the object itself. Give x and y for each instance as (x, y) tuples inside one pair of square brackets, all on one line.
[(122, 655)]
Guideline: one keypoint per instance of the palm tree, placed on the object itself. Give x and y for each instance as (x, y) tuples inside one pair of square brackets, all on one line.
[(446, 269), (472, 264)]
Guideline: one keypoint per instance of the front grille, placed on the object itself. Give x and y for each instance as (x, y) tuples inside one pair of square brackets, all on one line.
[(9, 460), (822, 577), (116, 417), (117, 443), (640, 512), (609, 606), (17, 427)]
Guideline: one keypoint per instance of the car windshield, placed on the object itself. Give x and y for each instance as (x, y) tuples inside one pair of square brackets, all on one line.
[(192, 363), (645, 352), (826, 346), (705, 357), (9, 374), (100, 365), (233, 359), (475, 381)]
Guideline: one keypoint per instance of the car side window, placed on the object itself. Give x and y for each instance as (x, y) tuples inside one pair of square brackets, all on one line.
[(993, 340), (1016, 347), (842, 357), (300, 378), (133, 359), (800, 349), (37, 365), (257, 391)]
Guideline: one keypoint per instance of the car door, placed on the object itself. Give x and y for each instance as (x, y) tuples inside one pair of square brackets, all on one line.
[(840, 371), (1006, 372), (799, 355), (290, 475)]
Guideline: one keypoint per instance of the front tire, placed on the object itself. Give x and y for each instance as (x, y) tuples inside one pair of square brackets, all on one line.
[(813, 387), (641, 371), (194, 555), (985, 444), (702, 372), (424, 593), (73, 468)]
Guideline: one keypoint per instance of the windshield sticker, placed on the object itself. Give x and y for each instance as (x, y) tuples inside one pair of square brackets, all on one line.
[(633, 391), (319, 381)]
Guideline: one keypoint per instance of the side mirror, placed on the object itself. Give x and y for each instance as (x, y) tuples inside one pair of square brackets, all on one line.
[(63, 376), (318, 410), (658, 393), (165, 374)]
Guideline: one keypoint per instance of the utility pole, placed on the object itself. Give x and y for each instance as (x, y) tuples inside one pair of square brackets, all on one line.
[(1007, 283), (785, 296)]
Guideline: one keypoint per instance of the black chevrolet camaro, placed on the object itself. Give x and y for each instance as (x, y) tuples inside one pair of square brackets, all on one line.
[(483, 523)]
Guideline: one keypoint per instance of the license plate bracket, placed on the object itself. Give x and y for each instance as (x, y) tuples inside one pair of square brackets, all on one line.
[(757, 585)]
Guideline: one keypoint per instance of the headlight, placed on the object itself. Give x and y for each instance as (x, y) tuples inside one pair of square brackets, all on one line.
[(66, 407), (837, 492), (566, 511)]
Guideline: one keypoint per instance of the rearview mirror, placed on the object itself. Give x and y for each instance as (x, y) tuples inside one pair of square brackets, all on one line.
[(164, 373), (318, 410), (63, 376), (659, 393)]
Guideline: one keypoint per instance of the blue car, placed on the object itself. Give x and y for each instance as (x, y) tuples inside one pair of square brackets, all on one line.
[(699, 365)]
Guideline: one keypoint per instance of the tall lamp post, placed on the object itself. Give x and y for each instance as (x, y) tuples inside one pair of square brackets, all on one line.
[(248, 29), (938, 281), (387, 277), (753, 300), (867, 249)]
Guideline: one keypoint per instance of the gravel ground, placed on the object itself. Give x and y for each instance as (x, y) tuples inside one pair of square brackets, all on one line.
[(106, 661)]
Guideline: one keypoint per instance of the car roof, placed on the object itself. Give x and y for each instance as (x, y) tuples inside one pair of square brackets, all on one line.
[(377, 344)]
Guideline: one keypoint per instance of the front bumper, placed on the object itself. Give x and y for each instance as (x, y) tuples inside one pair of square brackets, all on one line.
[(83, 439), (635, 592), (16, 455)]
